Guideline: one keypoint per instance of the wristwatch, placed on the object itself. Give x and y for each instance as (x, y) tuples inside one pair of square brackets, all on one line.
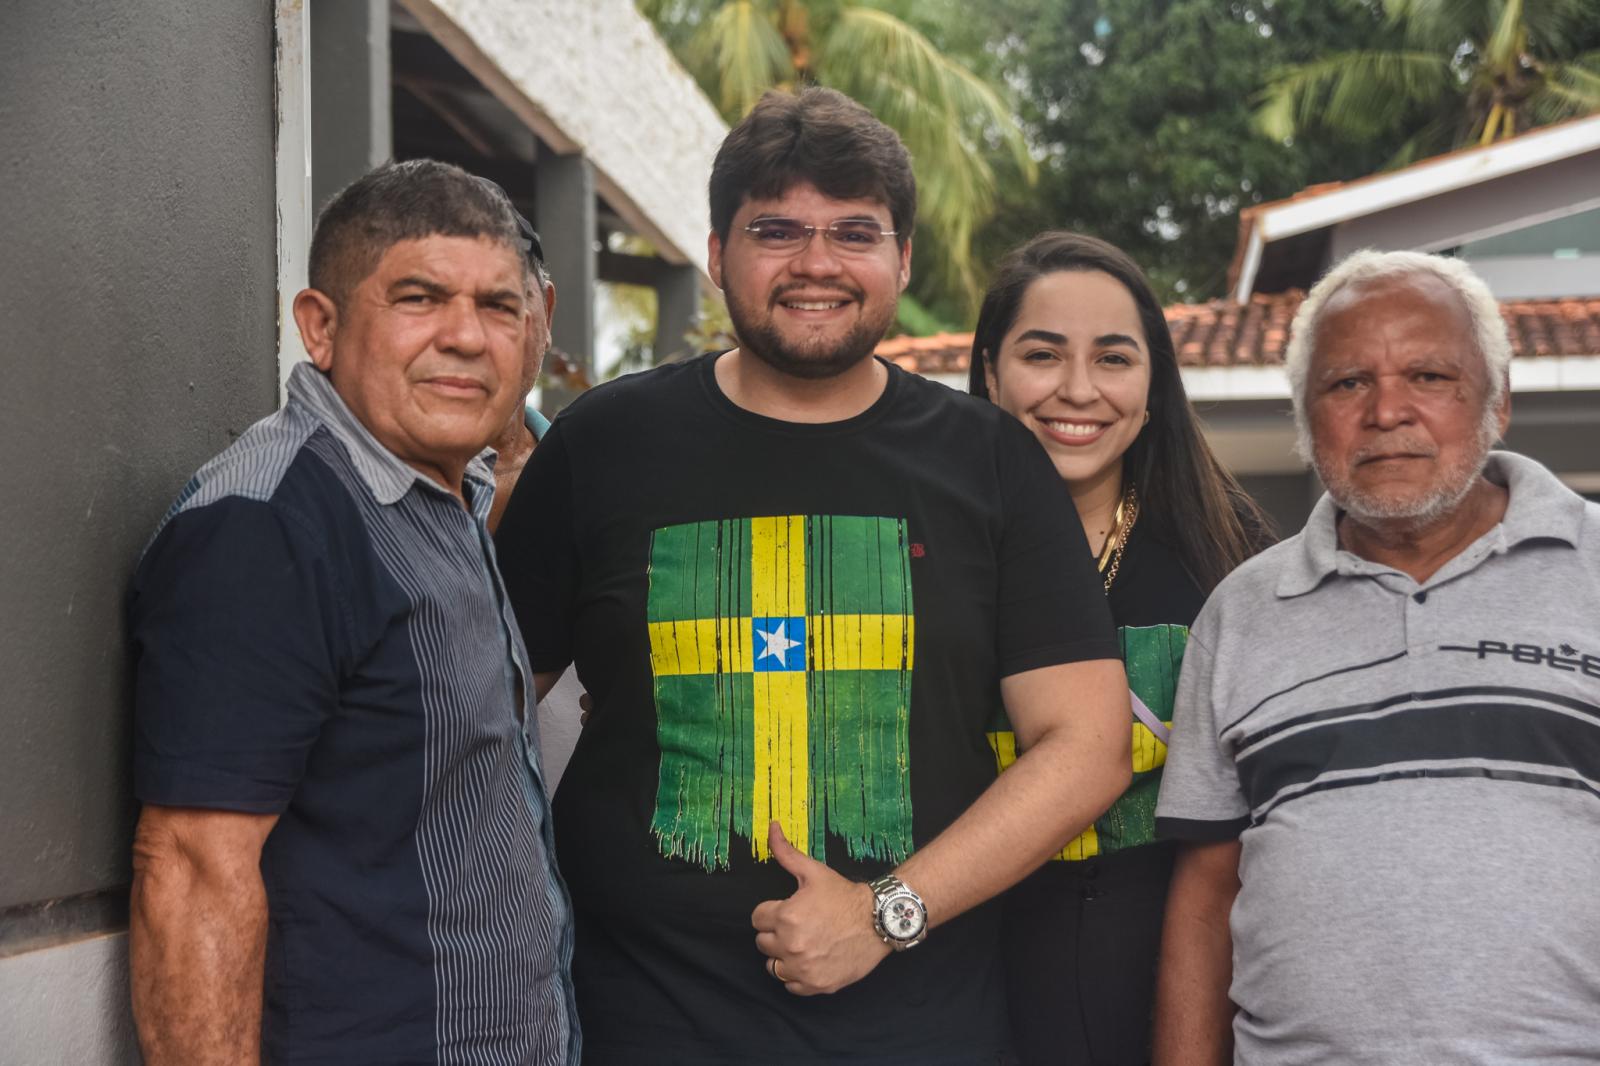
[(898, 914)]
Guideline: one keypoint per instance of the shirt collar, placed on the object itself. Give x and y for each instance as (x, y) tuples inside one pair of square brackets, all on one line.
[(386, 477), (1540, 507), (535, 420)]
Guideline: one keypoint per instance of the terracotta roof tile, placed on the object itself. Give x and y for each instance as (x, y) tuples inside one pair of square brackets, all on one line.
[(1221, 333)]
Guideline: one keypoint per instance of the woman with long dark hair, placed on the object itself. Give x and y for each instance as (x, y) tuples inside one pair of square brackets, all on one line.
[(1072, 341)]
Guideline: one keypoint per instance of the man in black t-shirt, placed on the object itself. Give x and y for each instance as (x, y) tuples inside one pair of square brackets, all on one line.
[(793, 579)]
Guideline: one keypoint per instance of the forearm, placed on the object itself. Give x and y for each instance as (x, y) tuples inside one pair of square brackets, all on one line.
[(197, 942), (1075, 764), (1194, 1017), (1047, 797)]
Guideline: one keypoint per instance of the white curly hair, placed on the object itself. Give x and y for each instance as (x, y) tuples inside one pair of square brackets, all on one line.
[(1367, 265)]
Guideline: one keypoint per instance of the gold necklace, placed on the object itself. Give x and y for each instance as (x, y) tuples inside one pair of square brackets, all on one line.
[(1117, 540)]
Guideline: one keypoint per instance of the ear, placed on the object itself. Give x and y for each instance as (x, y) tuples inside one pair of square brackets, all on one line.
[(549, 303), (317, 316), (1502, 411), (989, 380), (714, 259), (905, 266)]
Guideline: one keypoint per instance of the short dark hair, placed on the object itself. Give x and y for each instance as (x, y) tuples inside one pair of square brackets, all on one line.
[(399, 202), (1185, 493), (819, 136)]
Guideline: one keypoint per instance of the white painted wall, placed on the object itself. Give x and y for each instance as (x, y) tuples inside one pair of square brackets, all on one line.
[(593, 76), (68, 1004)]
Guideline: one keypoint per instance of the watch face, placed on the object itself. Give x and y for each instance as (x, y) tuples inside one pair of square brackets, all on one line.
[(903, 917)]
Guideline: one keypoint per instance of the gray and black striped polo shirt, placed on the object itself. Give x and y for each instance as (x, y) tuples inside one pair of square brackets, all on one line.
[(321, 634), (1413, 772)]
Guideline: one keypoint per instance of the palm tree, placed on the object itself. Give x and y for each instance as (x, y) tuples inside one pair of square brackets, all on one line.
[(1483, 70), (955, 125)]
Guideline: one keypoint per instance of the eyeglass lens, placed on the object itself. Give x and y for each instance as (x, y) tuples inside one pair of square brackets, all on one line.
[(846, 235)]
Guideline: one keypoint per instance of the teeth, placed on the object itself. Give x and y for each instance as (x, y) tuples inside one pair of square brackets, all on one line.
[(1075, 429), (812, 306)]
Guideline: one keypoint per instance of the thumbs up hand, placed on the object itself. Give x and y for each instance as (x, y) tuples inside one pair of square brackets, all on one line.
[(821, 938)]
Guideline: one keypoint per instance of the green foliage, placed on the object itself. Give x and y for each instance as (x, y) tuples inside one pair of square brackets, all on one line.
[(633, 309), (1142, 112), (1145, 119), (917, 320), (713, 329), (959, 128), (1485, 69)]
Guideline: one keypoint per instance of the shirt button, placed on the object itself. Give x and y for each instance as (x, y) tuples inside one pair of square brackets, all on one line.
[(1421, 597)]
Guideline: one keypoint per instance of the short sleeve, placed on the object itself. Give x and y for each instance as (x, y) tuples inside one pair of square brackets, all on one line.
[(1051, 604), (538, 554), (1200, 798), (236, 630)]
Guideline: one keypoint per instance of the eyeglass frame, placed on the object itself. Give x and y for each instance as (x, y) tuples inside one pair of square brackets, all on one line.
[(830, 234)]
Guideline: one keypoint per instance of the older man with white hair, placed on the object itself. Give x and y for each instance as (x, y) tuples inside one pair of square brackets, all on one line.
[(1385, 768)]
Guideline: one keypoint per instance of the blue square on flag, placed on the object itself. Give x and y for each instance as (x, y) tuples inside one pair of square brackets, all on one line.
[(778, 643)]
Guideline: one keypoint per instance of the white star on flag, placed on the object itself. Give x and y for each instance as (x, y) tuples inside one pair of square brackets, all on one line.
[(777, 643)]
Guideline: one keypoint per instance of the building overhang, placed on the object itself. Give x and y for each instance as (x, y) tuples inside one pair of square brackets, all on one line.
[(595, 78), (1324, 207)]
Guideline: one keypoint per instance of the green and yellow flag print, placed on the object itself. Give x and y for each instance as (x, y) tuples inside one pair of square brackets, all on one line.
[(1153, 656), (781, 649)]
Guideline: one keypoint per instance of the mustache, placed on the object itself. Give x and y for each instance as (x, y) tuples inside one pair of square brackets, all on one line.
[(847, 291), (1393, 446)]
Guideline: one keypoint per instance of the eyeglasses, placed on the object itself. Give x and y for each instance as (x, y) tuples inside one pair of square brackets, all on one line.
[(786, 236)]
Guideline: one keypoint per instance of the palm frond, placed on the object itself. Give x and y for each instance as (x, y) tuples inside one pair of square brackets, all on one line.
[(1439, 135), (742, 54), (1441, 25), (1354, 92), (952, 123), (1556, 27), (1570, 89), (1509, 37)]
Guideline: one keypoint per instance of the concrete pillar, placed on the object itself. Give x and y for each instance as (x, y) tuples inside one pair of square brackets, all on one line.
[(351, 125), (677, 304), (567, 227)]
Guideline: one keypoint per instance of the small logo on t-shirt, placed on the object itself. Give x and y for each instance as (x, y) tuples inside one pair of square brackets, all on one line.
[(917, 550), (1566, 657)]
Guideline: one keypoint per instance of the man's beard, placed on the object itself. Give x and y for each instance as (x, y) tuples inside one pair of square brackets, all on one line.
[(1417, 511), (815, 359)]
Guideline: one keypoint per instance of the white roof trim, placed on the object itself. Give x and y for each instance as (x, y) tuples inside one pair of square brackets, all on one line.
[(1252, 263), (1458, 170), (1211, 383), (1543, 373), (1420, 181), (594, 77)]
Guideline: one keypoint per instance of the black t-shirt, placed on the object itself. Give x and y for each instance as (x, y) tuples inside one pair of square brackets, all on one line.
[(1152, 587), (1082, 933), (805, 623)]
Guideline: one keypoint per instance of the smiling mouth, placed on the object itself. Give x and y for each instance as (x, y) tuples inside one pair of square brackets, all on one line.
[(813, 305), (1072, 429)]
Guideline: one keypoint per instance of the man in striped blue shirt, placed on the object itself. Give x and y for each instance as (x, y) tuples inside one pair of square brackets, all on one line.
[(345, 853)]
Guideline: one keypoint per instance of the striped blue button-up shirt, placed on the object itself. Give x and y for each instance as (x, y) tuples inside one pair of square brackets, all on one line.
[(322, 635)]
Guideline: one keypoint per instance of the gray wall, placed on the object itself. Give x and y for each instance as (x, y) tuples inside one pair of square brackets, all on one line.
[(138, 322)]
